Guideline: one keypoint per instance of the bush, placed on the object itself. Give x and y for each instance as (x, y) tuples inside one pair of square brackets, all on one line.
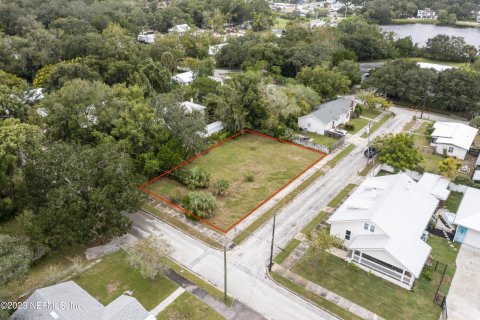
[(352, 266), (221, 186), (149, 256), (194, 177), (427, 273), (249, 178), (200, 204), (349, 126), (466, 181)]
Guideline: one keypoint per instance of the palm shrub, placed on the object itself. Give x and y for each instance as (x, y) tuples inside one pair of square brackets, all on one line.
[(200, 204)]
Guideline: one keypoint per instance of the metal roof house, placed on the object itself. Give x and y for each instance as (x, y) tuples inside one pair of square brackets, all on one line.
[(437, 185), (467, 219), (179, 28), (383, 226), (68, 301), (453, 138), (328, 115), (184, 77), (191, 106)]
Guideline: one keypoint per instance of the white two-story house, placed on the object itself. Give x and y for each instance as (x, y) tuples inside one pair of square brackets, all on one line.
[(383, 227), (453, 139)]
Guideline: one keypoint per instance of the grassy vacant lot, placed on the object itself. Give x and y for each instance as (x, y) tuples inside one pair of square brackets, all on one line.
[(113, 276), (380, 296), (319, 139), (342, 154), (187, 306), (272, 164), (453, 201)]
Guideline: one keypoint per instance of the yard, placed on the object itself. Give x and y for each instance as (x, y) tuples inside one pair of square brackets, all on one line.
[(421, 136), (269, 163), (378, 295), (453, 201), (377, 125), (318, 138), (113, 276), (187, 306), (371, 114), (358, 124)]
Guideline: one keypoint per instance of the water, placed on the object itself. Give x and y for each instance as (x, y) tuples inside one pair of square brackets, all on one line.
[(420, 33)]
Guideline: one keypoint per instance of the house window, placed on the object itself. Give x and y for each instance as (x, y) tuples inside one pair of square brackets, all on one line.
[(372, 228), (450, 149), (347, 234), (365, 226)]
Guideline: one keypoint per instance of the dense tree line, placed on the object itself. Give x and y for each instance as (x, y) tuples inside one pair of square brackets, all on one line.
[(456, 89)]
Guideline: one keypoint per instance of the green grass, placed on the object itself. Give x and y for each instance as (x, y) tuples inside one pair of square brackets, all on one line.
[(211, 289), (319, 139), (367, 168), (430, 162), (453, 201), (342, 154), (187, 306), (411, 21), (375, 294), (377, 125), (182, 226), (112, 276), (314, 223), (272, 164), (267, 215), (341, 195), (371, 114), (291, 245), (315, 299), (421, 136), (45, 272), (358, 124)]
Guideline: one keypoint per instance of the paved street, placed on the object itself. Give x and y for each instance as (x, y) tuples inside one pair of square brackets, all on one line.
[(247, 280)]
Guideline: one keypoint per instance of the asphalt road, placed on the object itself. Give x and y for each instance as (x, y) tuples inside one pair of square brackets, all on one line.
[(247, 279)]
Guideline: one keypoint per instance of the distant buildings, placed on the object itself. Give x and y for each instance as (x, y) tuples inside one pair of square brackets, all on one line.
[(452, 139), (146, 37), (213, 50), (179, 28), (190, 106), (435, 66), (427, 14), (184, 77)]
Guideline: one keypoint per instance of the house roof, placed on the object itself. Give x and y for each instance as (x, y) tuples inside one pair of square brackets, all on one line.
[(454, 133), (331, 110), (180, 28), (401, 208), (213, 50), (477, 163), (468, 213), (435, 184), (62, 295), (214, 127), (184, 77), (191, 106), (476, 175), (434, 66)]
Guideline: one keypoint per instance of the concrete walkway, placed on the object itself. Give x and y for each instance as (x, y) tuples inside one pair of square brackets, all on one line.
[(326, 294), (167, 301)]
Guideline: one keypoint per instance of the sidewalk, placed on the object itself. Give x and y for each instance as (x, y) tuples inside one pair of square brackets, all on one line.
[(167, 301)]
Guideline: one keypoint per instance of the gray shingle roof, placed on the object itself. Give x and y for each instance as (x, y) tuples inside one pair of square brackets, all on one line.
[(57, 303), (331, 110)]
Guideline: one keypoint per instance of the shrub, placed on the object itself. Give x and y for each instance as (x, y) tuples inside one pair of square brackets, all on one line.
[(194, 177), (149, 256), (349, 126), (200, 204), (249, 178), (352, 266), (221, 186), (427, 273)]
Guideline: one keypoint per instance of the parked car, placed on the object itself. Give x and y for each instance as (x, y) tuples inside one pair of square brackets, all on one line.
[(370, 152)]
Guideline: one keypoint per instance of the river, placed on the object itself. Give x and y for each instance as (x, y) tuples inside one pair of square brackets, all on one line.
[(420, 33)]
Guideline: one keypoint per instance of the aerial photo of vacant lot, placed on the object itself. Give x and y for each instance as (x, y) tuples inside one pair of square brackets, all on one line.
[(255, 166)]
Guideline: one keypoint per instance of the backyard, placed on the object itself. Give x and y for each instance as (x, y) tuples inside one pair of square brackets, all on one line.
[(318, 138), (255, 167), (378, 295), (187, 306)]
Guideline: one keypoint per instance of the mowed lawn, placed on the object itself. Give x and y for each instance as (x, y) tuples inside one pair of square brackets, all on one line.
[(271, 163)]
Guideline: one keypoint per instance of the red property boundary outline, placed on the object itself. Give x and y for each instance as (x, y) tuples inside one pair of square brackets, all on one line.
[(143, 186)]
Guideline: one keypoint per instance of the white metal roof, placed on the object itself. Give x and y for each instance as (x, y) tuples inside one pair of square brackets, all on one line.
[(435, 184), (179, 28), (191, 106), (402, 209), (476, 175), (214, 127), (454, 133), (184, 77), (213, 50), (468, 214), (434, 66)]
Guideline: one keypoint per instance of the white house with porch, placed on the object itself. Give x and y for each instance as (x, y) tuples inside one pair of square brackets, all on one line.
[(328, 115), (383, 227), (453, 139), (467, 219)]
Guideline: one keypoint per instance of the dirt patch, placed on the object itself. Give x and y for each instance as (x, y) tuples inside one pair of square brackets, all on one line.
[(112, 287)]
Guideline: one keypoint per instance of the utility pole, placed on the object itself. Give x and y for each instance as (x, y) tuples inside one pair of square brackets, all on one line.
[(271, 247), (225, 270)]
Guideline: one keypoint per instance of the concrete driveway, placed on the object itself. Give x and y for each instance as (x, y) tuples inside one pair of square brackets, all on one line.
[(463, 301)]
